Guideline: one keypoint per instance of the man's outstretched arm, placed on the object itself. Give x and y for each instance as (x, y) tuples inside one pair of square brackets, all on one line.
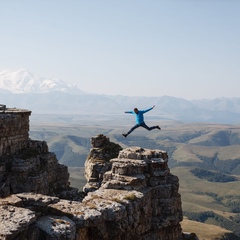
[(149, 109)]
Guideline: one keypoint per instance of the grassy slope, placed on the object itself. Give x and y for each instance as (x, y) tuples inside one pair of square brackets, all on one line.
[(192, 190), (207, 231)]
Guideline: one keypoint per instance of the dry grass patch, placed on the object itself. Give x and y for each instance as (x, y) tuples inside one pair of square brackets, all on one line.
[(204, 231)]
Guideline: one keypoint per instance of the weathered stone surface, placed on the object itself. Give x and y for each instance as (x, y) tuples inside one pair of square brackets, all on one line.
[(142, 154), (14, 220), (133, 202), (36, 200), (14, 127), (98, 161), (27, 165), (33, 169), (145, 169), (127, 210), (56, 227)]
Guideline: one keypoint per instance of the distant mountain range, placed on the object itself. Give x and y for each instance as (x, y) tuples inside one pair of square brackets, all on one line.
[(22, 89)]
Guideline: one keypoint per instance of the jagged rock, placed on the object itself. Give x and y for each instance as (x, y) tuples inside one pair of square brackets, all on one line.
[(34, 169), (99, 141), (138, 199), (135, 168), (122, 214), (142, 205), (98, 161), (27, 165)]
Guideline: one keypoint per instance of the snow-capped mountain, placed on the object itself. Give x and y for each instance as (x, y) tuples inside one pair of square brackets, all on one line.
[(23, 89), (23, 81)]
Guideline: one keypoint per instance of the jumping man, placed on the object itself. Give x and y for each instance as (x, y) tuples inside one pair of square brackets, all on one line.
[(140, 120)]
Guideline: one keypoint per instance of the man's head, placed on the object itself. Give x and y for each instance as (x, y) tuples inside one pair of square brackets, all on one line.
[(135, 110)]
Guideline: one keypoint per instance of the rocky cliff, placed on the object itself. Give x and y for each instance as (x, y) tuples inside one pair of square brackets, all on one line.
[(26, 165), (130, 193)]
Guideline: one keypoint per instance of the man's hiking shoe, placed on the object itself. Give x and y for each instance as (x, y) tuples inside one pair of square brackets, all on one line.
[(158, 128), (124, 134)]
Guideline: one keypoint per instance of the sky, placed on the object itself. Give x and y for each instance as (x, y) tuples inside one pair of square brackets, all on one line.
[(184, 48)]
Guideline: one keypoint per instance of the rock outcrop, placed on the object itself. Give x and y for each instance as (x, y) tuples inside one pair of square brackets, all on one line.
[(98, 161), (138, 199), (27, 165), (131, 193)]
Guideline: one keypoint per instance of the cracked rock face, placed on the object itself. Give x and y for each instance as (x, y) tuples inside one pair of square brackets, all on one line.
[(26, 165), (136, 168), (98, 161), (155, 214)]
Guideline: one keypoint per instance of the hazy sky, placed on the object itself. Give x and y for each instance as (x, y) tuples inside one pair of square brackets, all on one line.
[(182, 48)]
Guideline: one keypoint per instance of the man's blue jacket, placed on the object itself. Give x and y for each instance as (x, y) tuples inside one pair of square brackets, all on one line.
[(139, 115)]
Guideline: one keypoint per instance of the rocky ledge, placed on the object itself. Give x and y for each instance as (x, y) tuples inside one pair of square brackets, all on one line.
[(136, 198)]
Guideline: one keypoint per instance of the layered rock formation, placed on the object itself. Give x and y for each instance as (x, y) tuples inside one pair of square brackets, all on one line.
[(14, 127), (138, 199), (131, 193), (98, 161), (27, 165)]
